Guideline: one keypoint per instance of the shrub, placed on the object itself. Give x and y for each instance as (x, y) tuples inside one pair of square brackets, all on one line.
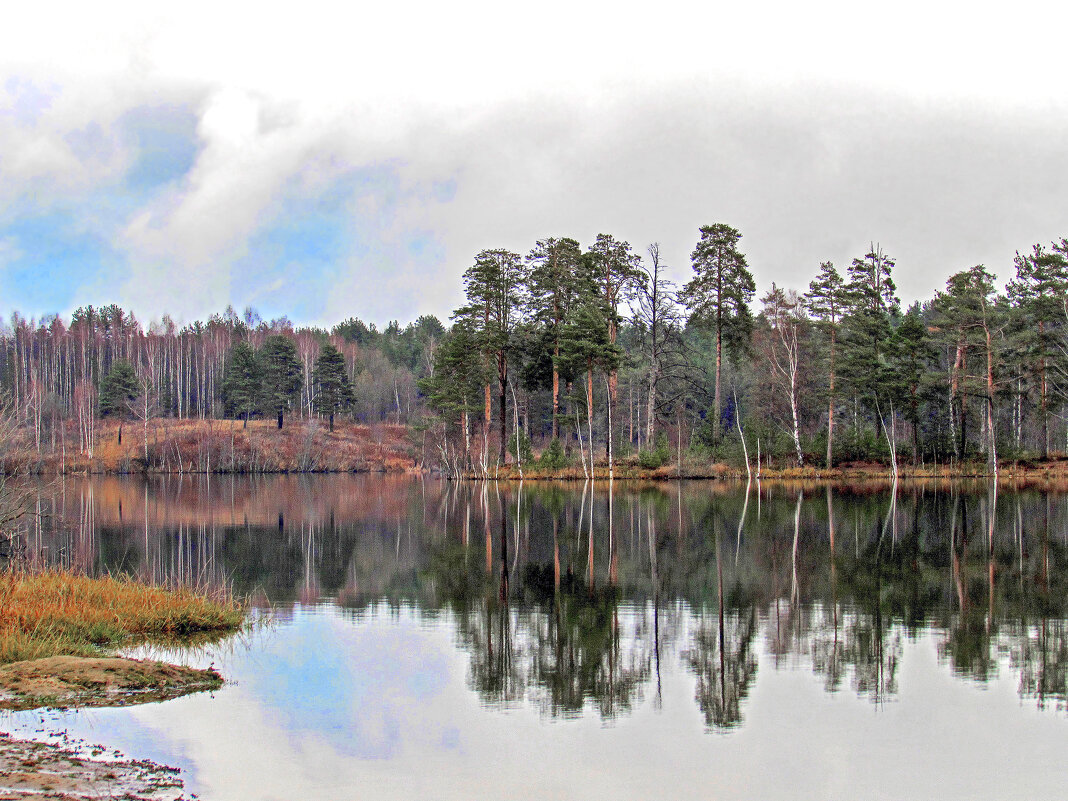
[(524, 452), (658, 456), (553, 457)]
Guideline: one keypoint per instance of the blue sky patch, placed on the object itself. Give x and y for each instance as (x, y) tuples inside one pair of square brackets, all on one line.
[(166, 145), (52, 259)]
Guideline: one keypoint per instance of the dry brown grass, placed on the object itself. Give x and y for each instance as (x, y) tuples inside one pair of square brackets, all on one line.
[(223, 446), (59, 612)]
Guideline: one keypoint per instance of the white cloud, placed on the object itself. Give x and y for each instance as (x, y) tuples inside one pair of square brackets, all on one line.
[(811, 128)]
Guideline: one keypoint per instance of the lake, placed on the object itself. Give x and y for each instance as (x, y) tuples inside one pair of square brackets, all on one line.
[(427, 639)]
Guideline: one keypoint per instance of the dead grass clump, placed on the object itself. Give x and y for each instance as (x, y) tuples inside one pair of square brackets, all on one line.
[(59, 612)]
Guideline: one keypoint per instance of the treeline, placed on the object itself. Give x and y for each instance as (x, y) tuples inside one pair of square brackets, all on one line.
[(58, 377), (570, 358), (594, 355)]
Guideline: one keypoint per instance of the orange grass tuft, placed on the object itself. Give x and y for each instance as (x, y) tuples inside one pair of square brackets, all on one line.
[(57, 612)]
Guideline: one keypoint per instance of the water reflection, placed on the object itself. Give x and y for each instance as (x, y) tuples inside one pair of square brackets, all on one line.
[(572, 598)]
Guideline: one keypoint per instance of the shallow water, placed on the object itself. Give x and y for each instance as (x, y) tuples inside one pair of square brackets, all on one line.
[(437, 640)]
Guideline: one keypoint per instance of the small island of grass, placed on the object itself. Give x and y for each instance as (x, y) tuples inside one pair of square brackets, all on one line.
[(59, 631)]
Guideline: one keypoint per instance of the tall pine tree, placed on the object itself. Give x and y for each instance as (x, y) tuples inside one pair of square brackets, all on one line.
[(493, 285), (867, 329), (826, 301), (553, 266), (718, 297), (1040, 292)]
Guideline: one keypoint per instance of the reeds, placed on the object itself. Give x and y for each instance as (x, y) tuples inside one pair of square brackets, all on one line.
[(60, 612)]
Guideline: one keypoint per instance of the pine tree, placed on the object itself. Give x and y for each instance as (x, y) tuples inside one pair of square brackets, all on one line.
[(971, 316), (867, 328), (1040, 291), (333, 390), (826, 301), (615, 268), (718, 296), (553, 266), (454, 386), (118, 389), (241, 382), (281, 374), (913, 353), (493, 286), (586, 345)]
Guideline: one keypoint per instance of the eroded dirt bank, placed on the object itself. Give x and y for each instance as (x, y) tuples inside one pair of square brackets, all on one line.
[(66, 681)]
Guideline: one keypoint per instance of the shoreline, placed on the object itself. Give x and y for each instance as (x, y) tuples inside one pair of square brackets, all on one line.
[(170, 447), (59, 633), (35, 769)]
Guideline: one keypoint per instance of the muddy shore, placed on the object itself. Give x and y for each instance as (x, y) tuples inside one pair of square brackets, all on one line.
[(31, 769)]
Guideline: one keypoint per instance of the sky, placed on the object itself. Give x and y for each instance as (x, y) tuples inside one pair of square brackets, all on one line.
[(327, 160)]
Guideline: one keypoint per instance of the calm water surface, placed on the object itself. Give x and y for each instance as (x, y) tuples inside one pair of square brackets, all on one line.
[(454, 641)]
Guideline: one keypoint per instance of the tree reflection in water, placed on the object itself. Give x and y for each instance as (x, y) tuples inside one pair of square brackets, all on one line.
[(578, 599)]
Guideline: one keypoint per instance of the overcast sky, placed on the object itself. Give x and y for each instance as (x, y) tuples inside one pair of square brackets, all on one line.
[(323, 160)]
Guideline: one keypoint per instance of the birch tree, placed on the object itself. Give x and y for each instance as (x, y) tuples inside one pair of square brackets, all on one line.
[(784, 314)]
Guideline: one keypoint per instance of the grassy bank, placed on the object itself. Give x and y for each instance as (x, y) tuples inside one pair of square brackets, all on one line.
[(61, 613), (216, 446), (1032, 470)]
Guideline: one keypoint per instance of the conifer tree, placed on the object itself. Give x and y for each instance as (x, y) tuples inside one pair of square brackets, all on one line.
[(614, 267), (867, 329), (718, 297), (333, 390), (1040, 292), (826, 301), (552, 277), (913, 353), (586, 345), (457, 380), (970, 315), (241, 382), (118, 389), (493, 286), (281, 374)]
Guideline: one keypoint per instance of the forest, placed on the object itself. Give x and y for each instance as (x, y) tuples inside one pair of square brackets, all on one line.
[(572, 358)]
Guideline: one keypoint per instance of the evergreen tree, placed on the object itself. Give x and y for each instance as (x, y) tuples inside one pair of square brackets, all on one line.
[(827, 302), (241, 382), (493, 286), (970, 315), (718, 297), (586, 345), (118, 389), (456, 383), (333, 390), (553, 266), (281, 374), (1040, 292), (615, 268), (867, 329), (913, 354)]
